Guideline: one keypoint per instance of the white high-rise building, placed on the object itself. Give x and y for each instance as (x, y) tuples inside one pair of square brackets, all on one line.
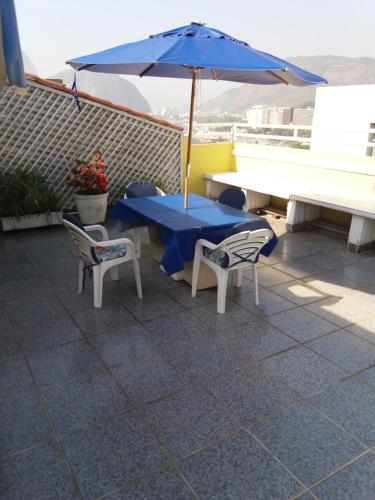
[(342, 119), (269, 115)]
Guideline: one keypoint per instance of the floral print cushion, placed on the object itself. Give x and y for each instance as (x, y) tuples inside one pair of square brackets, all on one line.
[(101, 254), (218, 256)]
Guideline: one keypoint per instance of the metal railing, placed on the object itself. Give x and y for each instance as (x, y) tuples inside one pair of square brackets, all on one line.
[(279, 134)]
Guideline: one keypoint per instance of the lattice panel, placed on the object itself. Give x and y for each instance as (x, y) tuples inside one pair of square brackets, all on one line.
[(44, 131)]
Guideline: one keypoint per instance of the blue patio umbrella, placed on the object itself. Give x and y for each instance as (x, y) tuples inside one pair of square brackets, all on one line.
[(196, 51), (11, 63)]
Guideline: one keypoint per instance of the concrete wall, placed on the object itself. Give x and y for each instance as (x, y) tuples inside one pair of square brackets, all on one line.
[(341, 113), (323, 172)]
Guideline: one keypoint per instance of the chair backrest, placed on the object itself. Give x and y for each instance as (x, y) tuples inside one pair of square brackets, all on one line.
[(244, 247), (140, 189), (234, 197), (82, 240), (159, 191)]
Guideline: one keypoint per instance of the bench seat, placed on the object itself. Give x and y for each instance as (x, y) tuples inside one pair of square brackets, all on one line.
[(303, 204)]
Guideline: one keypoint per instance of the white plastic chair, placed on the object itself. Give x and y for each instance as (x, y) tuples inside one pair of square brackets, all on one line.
[(234, 254), (138, 233), (86, 244)]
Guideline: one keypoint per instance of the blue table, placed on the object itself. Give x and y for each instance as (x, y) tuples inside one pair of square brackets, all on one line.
[(180, 228)]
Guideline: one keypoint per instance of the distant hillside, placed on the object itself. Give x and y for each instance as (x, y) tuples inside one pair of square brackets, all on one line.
[(336, 69), (111, 87)]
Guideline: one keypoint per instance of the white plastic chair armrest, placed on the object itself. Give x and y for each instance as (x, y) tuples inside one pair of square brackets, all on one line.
[(97, 227), (206, 243), (119, 241)]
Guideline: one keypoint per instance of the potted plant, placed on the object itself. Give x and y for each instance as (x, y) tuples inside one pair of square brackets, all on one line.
[(26, 201), (90, 179)]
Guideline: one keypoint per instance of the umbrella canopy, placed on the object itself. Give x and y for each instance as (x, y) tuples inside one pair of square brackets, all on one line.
[(196, 51), (11, 63)]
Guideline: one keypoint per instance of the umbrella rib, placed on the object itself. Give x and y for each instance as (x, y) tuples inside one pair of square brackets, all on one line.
[(282, 80), (86, 66), (150, 66)]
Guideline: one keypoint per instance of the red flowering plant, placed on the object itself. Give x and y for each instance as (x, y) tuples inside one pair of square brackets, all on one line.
[(89, 176)]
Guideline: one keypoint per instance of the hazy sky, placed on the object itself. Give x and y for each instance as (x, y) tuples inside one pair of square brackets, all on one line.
[(53, 31)]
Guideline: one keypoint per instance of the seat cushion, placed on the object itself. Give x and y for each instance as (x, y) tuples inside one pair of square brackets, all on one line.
[(101, 254), (140, 189), (234, 197), (218, 256)]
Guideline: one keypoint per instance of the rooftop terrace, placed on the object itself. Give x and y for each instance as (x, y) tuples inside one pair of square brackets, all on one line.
[(165, 399)]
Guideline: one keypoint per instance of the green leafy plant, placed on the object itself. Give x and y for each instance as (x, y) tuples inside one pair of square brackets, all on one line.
[(24, 193)]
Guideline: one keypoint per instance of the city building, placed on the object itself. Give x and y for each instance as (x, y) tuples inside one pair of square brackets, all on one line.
[(343, 119)]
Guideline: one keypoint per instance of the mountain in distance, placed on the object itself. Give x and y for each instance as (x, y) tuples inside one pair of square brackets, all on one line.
[(338, 70), (111, 87)]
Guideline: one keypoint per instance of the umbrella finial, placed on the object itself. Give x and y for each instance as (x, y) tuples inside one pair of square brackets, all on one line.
[(198, 22)]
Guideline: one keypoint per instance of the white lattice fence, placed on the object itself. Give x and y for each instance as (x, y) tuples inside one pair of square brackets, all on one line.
[(44, 131)]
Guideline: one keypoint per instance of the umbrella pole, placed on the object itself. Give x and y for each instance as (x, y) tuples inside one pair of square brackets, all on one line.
[(191, 118)]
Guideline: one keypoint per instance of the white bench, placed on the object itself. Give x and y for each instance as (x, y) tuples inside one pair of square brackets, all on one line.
[(303, 204)]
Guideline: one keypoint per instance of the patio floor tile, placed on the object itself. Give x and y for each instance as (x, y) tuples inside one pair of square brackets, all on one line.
[(19, 312), (346, 350), (298, 292), (251, 393), (188, 422), (368, 375), (152, 306), (269, 302), (309, 444), (338, 310), (150, 378), (164, 486), (236, 467), (259, 339), (84, 400), (15, 378), (108, 456), (180, 327), (61, 363), (208, 358), (9, 346), (127, 344), (357, 480), (183, 296), (364, 328), (234, 315), (38, 473), (23, 424), (105, 320), (303, 370), (40, 334), (297, 268), (352, 405), (301, 324), (270, 277)]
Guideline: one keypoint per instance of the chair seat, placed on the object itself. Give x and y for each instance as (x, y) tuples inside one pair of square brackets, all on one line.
[(218, 256), (101, 254)]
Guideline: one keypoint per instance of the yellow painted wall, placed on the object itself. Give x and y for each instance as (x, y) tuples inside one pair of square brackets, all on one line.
[(215, 157)]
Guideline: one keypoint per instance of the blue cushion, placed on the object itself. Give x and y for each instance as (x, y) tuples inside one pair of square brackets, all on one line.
[(140, 189), (101, 254), (218, 256), (234, 197), (74, 220)]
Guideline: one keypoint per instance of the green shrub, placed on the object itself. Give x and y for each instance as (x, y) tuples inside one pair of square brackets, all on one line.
[(24, 193)]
